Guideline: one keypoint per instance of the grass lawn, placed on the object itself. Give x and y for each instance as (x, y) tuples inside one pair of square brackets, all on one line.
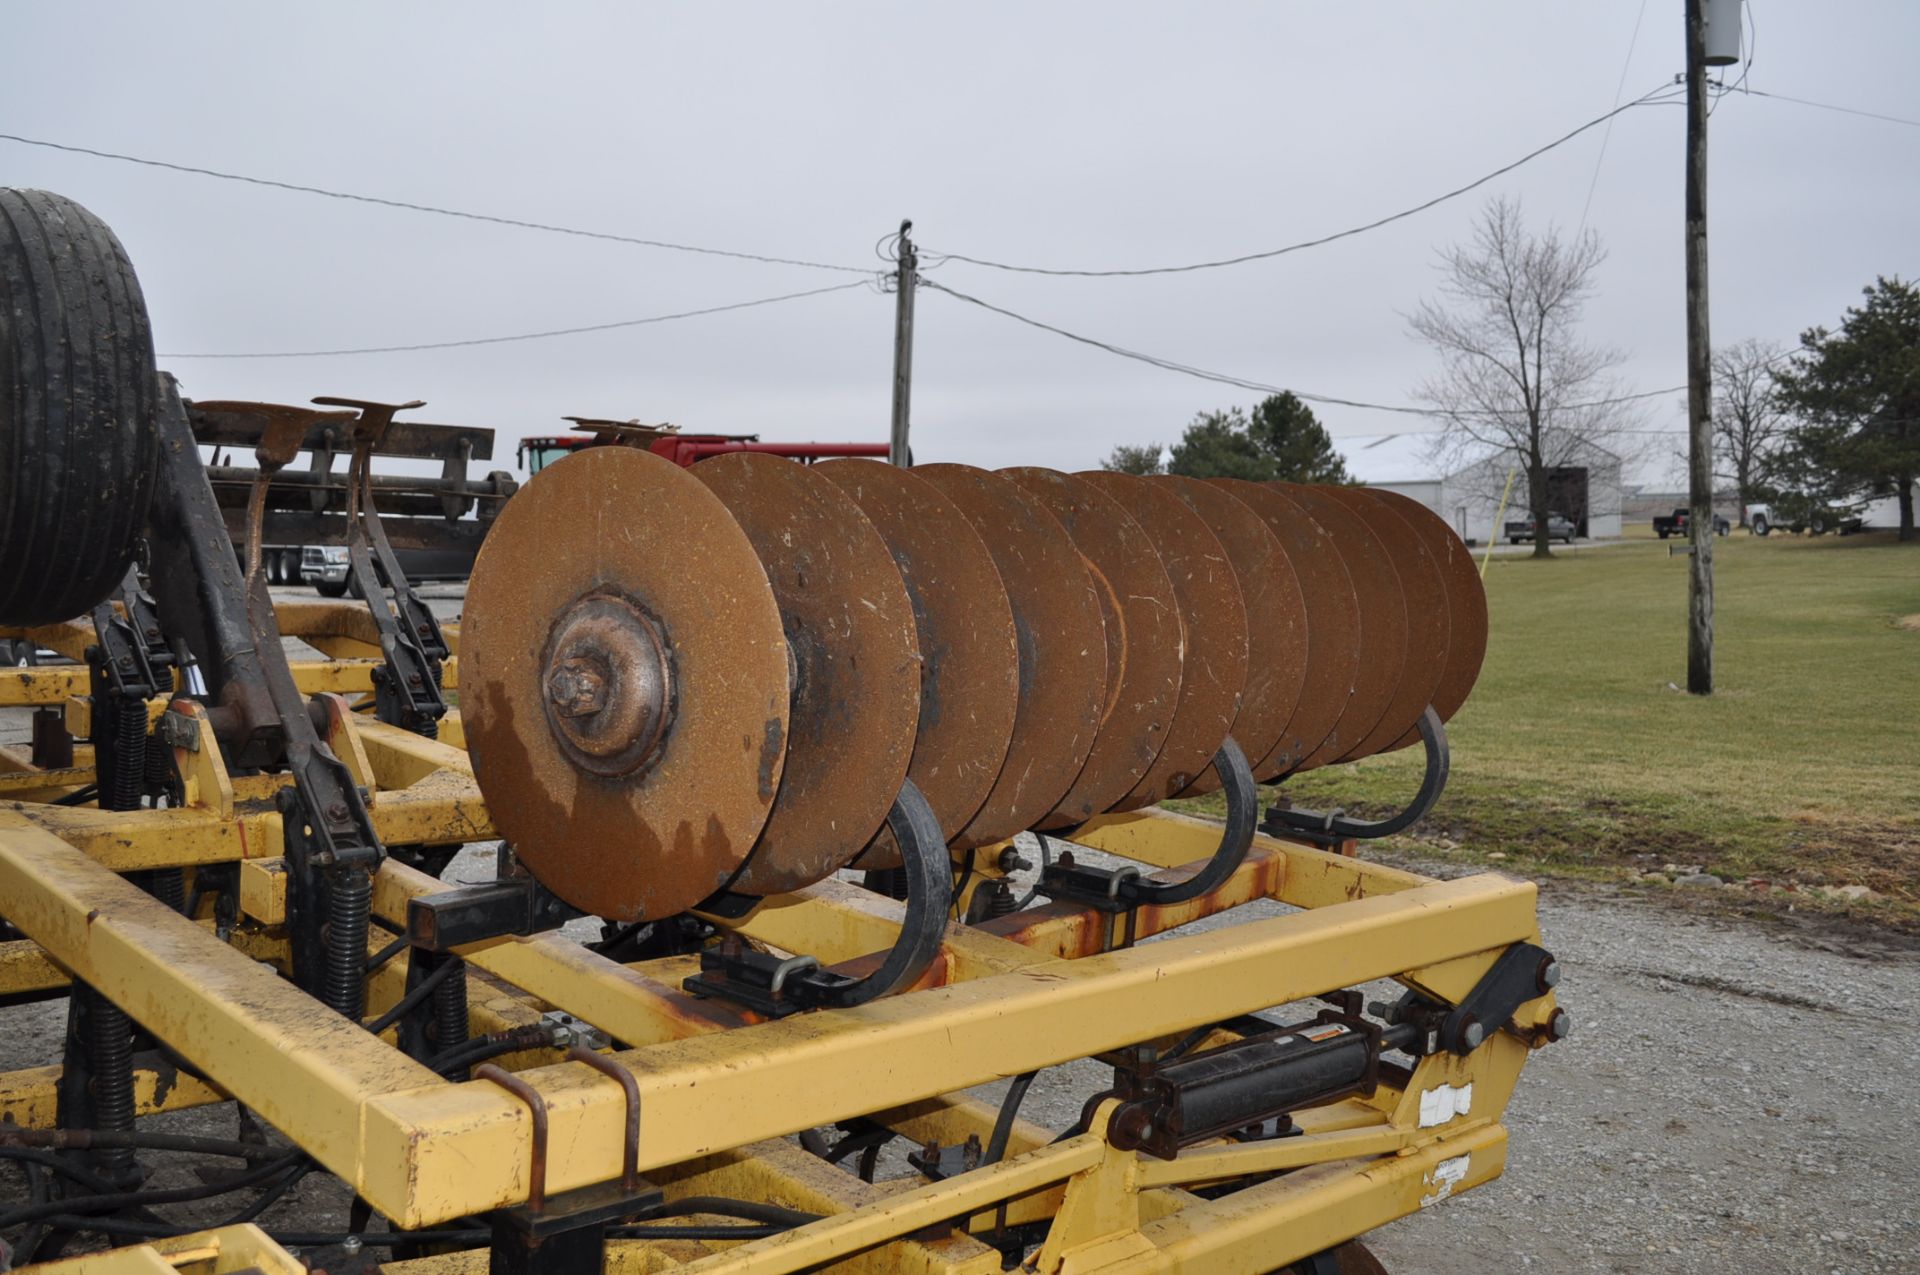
[(1577, 755)]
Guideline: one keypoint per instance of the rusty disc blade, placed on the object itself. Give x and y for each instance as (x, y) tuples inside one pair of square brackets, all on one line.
[(1214, 633), (1383, 619), (647, 803), (1062, 660), (1333, 624), (1428, 625), (1142, 622), (969, 660), (1466, 606), (1276, 619), (855, 661)]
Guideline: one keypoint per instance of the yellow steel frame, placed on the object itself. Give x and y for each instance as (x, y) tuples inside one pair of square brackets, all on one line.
[(229, 1250), (721, 1091)]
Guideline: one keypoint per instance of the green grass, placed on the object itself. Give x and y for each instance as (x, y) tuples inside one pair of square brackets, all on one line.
[(1577, 754)]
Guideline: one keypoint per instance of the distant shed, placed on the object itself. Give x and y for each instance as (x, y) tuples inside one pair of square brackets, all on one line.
[(1467, 496)]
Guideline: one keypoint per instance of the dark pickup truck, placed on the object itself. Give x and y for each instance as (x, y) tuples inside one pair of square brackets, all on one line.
[(1559, 527), (1676, 525)]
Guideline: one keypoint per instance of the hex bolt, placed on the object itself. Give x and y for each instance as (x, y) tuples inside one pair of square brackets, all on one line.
[(1560, 1026), (1549, 977), (578, 687), (1472, 1034), (338, 810), (1012, 861)]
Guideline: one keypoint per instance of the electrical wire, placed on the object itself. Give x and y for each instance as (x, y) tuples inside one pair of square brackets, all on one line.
[(1607, 136), (1655, 96), (381, 201), (1828, 106), (1262, 387), (522, 336)]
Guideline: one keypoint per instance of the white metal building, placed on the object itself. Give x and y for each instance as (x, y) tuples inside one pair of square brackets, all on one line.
[(1467, 495)]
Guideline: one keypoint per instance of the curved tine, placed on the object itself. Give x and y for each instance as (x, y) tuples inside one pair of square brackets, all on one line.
[(1243, 816), (929, 895), (1433, 734)]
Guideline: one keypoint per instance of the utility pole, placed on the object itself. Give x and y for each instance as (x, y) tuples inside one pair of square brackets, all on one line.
[(906, 281), (1699, 368)]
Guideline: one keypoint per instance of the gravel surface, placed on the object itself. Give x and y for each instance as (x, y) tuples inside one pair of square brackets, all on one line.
[(1730, 1100)]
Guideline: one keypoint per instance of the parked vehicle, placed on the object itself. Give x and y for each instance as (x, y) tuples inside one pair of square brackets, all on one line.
[(1762, 519), (1520, 530), (1675, 524)]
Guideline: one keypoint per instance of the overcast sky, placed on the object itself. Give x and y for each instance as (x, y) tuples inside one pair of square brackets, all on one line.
[(1087, 136)]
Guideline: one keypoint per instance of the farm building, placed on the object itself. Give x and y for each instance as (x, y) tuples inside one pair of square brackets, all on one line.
[(1467, 494)]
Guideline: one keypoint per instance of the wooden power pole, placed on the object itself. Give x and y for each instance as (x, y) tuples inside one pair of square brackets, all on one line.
[(1699, 368), (906, 281)]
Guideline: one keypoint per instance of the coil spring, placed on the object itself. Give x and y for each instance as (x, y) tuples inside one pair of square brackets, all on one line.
[(450, 1009), (343, 985), (427, 728), (169, 885), (159, 763), (109, 1045), (126, 737), (1000, 900), (891, 882)]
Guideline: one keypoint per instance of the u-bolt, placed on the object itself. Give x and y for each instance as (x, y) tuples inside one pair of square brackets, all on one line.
[(630, 1152), (537, 1106)]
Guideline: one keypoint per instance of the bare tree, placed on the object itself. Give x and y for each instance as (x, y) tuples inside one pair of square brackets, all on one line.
[(1749, 422), (1515, 378)]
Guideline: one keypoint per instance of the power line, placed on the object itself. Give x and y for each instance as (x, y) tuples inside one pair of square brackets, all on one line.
[(1261, 387), (1594, 184), (1828, 106), (526, 336), (383, 202), (1653, 96)]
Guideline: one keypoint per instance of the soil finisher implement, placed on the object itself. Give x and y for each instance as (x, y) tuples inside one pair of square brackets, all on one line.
[(859, 770)]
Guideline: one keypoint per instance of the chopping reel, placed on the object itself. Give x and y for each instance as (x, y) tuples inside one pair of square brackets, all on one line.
[(690, 686)]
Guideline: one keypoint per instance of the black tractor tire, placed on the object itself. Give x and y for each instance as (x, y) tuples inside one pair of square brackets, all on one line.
[(78, 438)]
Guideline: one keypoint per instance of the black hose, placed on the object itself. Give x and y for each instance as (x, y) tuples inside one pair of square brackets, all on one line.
[(343, 981), (1009, 1109), (147, 1141), (114, 1201), (78, 797), (726, 1206), (66, 1168), (492, 1045), (415, 994), (379, 959)]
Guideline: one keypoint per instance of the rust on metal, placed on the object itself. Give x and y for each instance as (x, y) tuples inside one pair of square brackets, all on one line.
[(1428, 626), (537, 1109), (854, 660), (620, 549), (1466, 607), (1214, 664), (1276, 619), (1333, 624), (1142, 621), (1061, 649), (1383, 619), (969, 670)]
